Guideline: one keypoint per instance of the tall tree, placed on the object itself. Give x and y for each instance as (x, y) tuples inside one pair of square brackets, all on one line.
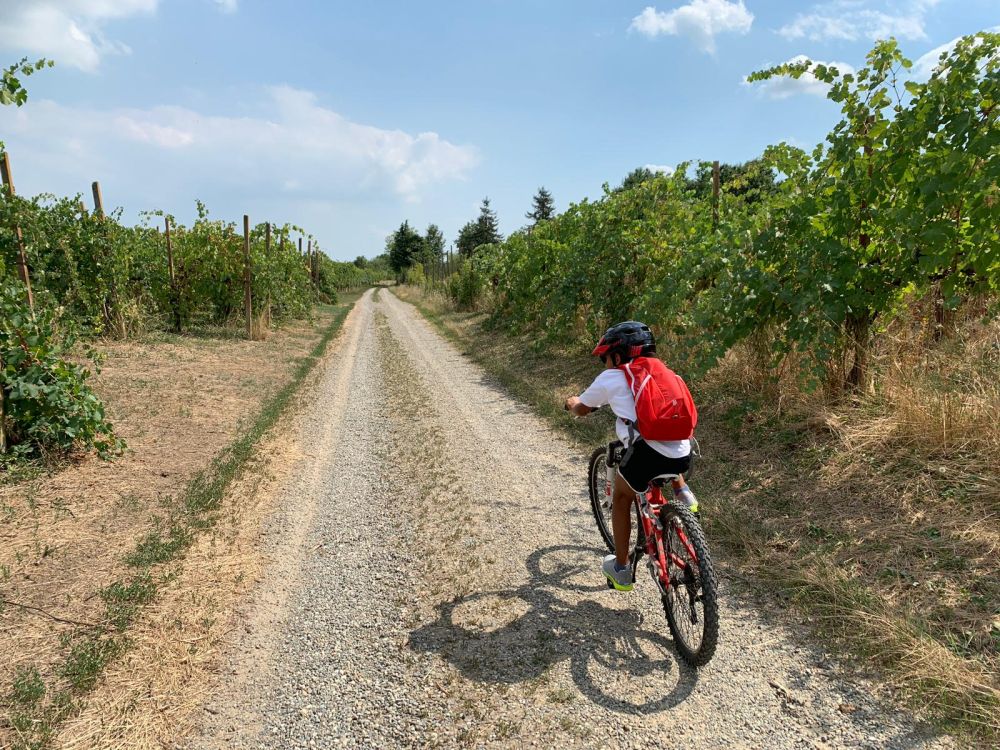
[(468, 238), (433, 245), (635, 178), (543, 207), (752, 180), (489, 228), (403, 246), (483, 231)]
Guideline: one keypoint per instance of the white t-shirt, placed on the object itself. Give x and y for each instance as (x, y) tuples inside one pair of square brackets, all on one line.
[(611, 387)]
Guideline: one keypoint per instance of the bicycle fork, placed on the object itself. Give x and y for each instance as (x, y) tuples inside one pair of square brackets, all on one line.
[(651, 541), (649, 524)]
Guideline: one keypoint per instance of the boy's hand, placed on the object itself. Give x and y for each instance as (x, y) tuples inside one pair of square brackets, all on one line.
[(577, 407)]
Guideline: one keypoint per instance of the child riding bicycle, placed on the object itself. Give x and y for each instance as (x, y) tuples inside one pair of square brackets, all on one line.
[(656, 419)]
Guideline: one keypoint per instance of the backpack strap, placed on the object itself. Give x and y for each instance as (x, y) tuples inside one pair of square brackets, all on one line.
[(633, 438)]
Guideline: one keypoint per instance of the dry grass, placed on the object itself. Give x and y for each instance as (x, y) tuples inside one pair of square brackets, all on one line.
[(65, 536), (148, 699), (878, 515)]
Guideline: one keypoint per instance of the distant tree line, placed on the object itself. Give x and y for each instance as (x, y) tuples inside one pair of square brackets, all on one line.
[(406, 247)]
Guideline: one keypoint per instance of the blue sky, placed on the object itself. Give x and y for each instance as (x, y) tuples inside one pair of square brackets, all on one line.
[(346, 118)]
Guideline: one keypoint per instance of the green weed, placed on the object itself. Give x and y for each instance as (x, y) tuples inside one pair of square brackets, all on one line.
[(122, 601), (153, 548), (28, 688), (87, 659)]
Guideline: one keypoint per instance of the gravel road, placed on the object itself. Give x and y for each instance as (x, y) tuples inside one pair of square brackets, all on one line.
[(436, 583)]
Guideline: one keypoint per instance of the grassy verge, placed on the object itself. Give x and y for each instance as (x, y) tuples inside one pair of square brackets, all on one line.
[(886, 557), (36, 709)]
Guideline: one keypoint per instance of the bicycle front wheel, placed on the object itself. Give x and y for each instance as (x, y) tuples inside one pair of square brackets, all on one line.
[(601, 495), (691, 598)]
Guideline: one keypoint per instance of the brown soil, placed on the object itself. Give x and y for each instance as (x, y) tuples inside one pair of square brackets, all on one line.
[(177, 401)]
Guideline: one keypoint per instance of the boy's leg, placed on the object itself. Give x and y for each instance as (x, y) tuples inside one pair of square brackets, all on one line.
[(684, 493), (615, 567), (621, 519)]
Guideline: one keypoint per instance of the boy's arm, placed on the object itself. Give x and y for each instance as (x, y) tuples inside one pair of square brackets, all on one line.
[(576, 406), (590, 400)]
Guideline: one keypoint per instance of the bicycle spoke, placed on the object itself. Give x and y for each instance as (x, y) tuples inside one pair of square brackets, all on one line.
[(685, 590)]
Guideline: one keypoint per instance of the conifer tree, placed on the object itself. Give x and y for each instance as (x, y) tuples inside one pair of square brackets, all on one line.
[(404, 247), (543, 207), (483, 231), (433, 245)]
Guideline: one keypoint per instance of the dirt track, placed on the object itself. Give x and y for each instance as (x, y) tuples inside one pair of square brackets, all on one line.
[(437, 583)]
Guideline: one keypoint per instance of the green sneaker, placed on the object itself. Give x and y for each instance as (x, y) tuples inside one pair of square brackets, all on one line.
[(686, 497), (618, 579)]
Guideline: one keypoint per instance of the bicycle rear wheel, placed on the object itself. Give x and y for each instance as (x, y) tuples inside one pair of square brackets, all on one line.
[(691, 599), (600, 500)]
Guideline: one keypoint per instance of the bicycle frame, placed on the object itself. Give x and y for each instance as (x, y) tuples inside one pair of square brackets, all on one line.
[(677, 554), (651, 542)]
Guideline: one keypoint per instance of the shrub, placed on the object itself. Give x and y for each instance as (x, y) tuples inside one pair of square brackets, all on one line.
[(465, 288), (415, 274), (49, 408)]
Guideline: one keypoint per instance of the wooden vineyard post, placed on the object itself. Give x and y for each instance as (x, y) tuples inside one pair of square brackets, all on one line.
[(247, 277), (3, 431), (715, 194), (267, 254), (300, 257), (98, 201), (312, 263), (108, 303), (174, 296), (22, 258)]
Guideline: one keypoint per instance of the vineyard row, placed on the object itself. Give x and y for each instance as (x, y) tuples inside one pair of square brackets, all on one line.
[(898, 207)]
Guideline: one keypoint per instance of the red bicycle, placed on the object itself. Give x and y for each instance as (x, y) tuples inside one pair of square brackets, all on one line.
[(677, 557)]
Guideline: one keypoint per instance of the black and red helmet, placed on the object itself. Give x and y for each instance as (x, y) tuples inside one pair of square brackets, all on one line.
[(630, 339)]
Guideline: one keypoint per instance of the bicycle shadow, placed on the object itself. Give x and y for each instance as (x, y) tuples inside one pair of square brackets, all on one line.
[(515, 635)]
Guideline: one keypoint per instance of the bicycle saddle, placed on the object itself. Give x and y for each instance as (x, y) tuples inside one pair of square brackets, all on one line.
[(662, 479)]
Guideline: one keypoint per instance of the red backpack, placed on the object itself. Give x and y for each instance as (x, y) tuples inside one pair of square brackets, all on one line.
[(663, 405)]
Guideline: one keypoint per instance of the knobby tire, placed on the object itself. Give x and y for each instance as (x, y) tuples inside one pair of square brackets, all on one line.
[(701, 655), (596, 477)]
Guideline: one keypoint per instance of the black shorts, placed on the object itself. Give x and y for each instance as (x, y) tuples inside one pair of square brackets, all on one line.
[(644, 463)]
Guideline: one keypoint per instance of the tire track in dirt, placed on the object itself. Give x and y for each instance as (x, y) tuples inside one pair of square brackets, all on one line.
[(449, 593)]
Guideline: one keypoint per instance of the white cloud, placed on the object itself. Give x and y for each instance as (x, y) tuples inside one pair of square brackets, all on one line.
[(298, 147), (68, 31), (782, 87), (701, 20), (925, 65), (227, 6), (661, 168), (851, 20)]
